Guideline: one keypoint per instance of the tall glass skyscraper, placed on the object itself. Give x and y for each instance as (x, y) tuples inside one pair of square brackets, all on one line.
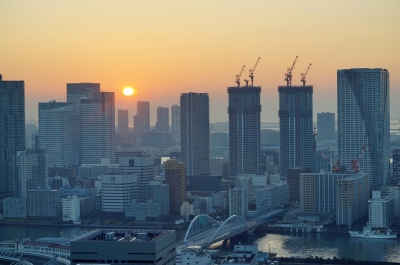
[(141, 121), (195, 132), (363, 121), (244, 130), (12, 132), (296, 127)]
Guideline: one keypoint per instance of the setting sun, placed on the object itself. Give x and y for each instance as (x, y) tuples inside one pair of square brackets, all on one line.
[(128, 91)]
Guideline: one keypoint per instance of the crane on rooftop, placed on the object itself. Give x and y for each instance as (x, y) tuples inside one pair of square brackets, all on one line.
[(288, 75), (238, 76), (303, 76), (251, 71)]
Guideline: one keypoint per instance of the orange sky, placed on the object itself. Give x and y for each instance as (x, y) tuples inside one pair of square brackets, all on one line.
[(164, 48)]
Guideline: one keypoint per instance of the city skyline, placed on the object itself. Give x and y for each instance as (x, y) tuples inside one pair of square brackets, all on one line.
[(151, 49)]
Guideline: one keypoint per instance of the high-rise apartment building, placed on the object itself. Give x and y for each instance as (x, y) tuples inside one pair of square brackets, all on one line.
[(158, 193), (244, 130), (293, 182), (56, 133), (144, 169), (326, 126), (12, 132), (296, 127), (123, 126), (363, 121), (97, 127), (176, 123), (396, 166), (141, 121), (31, 171), (238, 202), (162, 119), (175, 177), (381, 210), (76, 91), (195, 132)]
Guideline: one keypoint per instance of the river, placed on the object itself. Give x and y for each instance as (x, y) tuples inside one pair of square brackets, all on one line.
[(286, 245)]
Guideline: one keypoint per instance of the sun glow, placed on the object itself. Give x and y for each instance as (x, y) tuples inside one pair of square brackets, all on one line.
[(128, 91)]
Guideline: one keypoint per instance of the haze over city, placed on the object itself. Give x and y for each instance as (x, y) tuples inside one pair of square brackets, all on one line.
[(163, 49)]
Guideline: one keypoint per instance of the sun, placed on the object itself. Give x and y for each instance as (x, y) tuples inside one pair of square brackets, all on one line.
[(128, 91)]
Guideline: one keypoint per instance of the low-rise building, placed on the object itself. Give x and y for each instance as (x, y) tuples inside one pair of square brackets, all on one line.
[(14, 208), (194, 255), (143, 211), (271, 197), (43, 203)]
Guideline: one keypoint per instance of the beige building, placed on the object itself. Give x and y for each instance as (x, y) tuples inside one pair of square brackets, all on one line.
[(175, 177)]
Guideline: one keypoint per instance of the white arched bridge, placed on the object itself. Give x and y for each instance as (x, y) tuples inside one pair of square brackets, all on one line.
[(204, 230)]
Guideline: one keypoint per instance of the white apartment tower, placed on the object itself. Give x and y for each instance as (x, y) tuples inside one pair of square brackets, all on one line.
[(56, 133), (117, 191), (71, 209), (381, 210), (363, 121), (97, 127), (238, 202)]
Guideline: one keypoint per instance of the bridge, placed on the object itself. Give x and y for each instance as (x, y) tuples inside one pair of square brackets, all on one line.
[(204, 230)]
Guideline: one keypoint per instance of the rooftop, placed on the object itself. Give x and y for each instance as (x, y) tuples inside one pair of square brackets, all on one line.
[(124, 235)]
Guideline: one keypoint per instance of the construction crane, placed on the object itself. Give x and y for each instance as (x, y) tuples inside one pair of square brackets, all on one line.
[(329, 160), (303, 76), (247, 82), (354, 163), (288, 75), (251, 71), (238, 76)]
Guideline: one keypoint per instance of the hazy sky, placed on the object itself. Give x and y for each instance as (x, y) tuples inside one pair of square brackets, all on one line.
[(164, 48)]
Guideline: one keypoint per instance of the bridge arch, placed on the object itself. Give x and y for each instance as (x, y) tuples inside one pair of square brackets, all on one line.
[(233, 223), (200, 224)]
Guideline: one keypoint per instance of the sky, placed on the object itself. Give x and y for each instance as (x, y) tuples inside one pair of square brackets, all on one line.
[(165, 48)]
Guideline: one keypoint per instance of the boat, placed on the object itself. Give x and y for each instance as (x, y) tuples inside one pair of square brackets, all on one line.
[(369, 233)]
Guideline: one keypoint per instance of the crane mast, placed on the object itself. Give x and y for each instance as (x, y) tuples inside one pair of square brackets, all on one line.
[(288, 75), (251, 71), (238, 76), (303, 76)]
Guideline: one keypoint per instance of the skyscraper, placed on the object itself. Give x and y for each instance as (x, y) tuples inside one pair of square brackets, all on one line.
[(326, 126), (56, 133), (162, 119), (123, 126), (363, 121), (75, 91), (244, 130), (12, 132), (296, 127), (31, 171), (176, 123), (141, 121), (97, 127), (175, 177), (396, 166), (195, 132)]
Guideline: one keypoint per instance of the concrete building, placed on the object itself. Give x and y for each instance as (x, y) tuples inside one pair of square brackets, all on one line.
[(318, 191), (71, 209), (381, 210), (158, 193), (123, 118), (203, 183), (363, 121), (352, 199), (14, 208), (97, 127), (162, 119), (293, 182), (394, 192), (217, 166), (31, 171), (194, 255), (258, 181), (127, 246), (396, 166), (141, 121), (143, 211), (143, 168), (195, 132), (326, 126), (176, 124), (220, 200), (12, 132), (175, 177), (238, 202), (117, 191), (43, 203), (186, 210), (76, 91), (56, 133), (244, 111), (271, 197), (87, 171), (296, 127)]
